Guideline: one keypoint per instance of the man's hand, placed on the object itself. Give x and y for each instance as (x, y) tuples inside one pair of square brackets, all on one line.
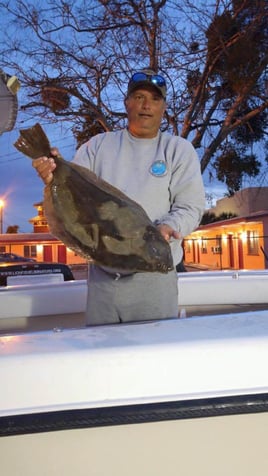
[(167, 232), (45, 167)]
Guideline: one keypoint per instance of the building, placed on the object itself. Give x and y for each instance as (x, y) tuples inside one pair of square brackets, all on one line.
[(240, 242), (40, 245), (39, 222)]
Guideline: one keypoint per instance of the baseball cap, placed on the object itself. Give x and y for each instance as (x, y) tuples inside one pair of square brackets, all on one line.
[(147, 77)]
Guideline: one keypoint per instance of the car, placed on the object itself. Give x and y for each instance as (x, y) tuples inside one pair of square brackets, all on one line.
[(12, 257), (33, 273)]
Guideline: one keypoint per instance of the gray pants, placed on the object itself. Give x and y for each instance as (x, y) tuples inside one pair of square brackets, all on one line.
[(137, 297)]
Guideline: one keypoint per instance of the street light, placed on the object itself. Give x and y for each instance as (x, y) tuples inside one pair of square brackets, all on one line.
[(2, 204)]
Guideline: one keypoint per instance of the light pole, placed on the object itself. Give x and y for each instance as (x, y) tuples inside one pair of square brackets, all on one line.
[(2, 203)]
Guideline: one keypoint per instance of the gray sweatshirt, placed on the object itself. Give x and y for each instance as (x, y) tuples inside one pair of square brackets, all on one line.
[(161, 174)]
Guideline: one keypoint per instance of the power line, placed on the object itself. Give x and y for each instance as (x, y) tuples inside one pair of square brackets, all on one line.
[(10, 154)]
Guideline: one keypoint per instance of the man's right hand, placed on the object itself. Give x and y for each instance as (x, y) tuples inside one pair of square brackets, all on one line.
[(45, 167)]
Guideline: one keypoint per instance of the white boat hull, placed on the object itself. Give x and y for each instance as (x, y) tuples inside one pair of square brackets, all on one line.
[(234, 445), (180, 396)]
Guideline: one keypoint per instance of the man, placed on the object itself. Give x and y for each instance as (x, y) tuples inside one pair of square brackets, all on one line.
[(162, 173)]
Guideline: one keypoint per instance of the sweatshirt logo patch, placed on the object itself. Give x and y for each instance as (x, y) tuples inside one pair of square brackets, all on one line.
[(158, 168)]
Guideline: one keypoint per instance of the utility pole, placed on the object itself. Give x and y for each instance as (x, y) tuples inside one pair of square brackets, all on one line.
[(2, 203)]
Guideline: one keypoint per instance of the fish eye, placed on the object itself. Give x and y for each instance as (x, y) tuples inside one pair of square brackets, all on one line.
[(154, 251)]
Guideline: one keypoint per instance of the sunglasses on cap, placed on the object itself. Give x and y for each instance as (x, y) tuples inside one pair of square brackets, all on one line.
[(156, 79)]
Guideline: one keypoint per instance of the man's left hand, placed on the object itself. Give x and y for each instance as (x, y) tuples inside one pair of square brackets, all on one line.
[(167, 232)]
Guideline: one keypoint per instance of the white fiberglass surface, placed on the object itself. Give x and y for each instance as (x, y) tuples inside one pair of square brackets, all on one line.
[(126, 364)]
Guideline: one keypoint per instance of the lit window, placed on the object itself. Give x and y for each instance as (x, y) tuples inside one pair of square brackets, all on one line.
[(252, 242), (204, 246), (188, 246), (217, 248)]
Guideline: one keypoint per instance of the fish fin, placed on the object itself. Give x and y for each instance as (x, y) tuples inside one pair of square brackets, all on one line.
[(33, 142)]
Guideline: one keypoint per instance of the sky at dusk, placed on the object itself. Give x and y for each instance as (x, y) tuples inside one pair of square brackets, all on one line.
[(20, 187)]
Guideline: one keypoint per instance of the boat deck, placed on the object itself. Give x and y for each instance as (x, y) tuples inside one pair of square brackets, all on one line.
[(76, 320), (47, 306)]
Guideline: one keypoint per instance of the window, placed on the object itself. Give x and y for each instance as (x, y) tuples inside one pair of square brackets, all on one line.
[(252, 242), (2, 249), (204, 246), (187, 246), (30, 251), (217, 248)]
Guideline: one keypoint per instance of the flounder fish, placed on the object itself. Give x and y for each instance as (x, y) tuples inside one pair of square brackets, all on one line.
[(94, 218)]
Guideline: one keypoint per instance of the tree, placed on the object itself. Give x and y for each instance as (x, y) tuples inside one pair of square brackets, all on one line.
[(210, 217), (79, 56), (231, 165), (13, 229)]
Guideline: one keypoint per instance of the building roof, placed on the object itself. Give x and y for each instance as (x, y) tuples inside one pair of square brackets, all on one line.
[(251, 217), (27, 237), (245, 201)]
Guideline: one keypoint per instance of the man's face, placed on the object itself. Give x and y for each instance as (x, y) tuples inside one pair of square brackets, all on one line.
[(145, 108)]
